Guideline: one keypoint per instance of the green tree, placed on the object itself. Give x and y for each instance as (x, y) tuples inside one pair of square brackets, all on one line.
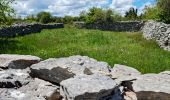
[(164, 7), (44, 17), (109, 15), (68, 19), (131, 14), (95, 15), (6, 11), (150, 13)]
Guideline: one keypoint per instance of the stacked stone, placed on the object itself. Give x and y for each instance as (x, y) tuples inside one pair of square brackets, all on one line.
[(24, 29), (25, 77), (158, 31), (127, 26)]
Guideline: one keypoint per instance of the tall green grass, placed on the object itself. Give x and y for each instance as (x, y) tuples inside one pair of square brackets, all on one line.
[(112, 47)]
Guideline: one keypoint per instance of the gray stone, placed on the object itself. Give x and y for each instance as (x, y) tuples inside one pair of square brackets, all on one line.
[(152, 87), (21, 29), (17, 61), (90, 87), (57, 70), (35, 90), (124, 73), (159, 32), (14, 78)]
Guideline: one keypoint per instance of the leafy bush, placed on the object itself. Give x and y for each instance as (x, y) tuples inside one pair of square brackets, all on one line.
[(150, 13), (6, 12), (44, 17), (132, 14), (164, 7)]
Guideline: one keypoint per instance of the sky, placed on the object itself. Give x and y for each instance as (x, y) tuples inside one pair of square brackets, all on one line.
[(74, 7)]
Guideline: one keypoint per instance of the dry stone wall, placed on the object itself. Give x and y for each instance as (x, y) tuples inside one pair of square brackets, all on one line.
[(158, 31), (24, 29), (77, 78), (126, 26)]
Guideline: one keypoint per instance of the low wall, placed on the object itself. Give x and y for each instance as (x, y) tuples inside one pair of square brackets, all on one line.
[(24, 29), (158, 31), (126, 26)]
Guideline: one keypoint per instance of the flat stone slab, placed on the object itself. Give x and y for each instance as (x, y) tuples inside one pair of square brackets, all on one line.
[(90, 87), (14, 78), (35, 90), (152, 86), (17, 61), (57, 70), (124, 73)]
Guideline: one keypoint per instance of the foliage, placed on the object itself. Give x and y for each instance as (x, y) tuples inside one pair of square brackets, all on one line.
[(99, 15), (164, 7), (150, 13), (30, 18), (125, 48), (68, 19), (132, 14), (6, 11), (95, 15), (44, 17)]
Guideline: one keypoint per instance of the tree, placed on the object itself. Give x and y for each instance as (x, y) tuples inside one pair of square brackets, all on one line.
[(150, 13), (164, 7), (131, 14), (109, 14), (44, 17), (95, 15), (6, 11)]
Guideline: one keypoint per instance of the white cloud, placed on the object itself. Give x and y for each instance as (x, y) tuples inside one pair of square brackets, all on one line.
[(68, 7), (148, 4), (122, 5)]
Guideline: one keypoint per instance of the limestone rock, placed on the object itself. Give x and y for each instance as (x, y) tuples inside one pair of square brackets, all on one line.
[(124, 73), (158, 31), (90, 87), (17, 61), (152, 87), (14, 78), (35, 90), (57, 70)]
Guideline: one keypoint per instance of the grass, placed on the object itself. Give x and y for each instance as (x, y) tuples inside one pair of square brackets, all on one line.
[(112, 47)]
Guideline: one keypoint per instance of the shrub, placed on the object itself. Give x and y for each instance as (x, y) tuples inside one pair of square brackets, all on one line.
[(6, 12), (131, 14), (44, 17), (150, 13), (164, 7)]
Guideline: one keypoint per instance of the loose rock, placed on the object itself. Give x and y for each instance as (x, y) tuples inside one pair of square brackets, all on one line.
[(57, 70), (14, 78), (90, 87), (17, 61)]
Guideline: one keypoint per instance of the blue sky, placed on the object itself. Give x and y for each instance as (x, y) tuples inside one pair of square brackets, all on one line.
[(74, 7)]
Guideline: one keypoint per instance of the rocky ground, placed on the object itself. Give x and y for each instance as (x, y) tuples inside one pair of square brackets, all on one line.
[(24, 77)]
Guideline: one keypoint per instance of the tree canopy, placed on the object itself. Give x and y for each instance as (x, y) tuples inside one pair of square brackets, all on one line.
[(6, 11)]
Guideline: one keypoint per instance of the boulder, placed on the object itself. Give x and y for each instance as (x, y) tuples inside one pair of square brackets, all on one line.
[(57, 70), (90, 87), (35, 90), (152, 87), (17, 61), (124, 73), (14, 78)]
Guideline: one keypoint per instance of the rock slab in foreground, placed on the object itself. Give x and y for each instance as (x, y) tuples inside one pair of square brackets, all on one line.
[(14, 78), (152, 86), (35, 90), (124, 73), (90, 87), (57, 70), (17, 61)]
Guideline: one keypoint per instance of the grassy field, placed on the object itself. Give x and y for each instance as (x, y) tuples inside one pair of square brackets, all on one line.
[(112, 47)]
